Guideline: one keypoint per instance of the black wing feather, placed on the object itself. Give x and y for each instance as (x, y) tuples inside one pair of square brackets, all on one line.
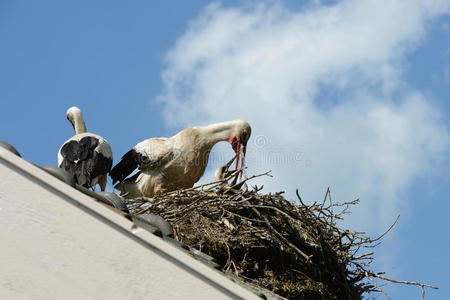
[(70, 152), (101, 164), (126, 166), (83, 162)]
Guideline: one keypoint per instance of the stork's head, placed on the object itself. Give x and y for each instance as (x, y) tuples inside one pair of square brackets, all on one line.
[(75, 118), (239, 138), (72, 113)]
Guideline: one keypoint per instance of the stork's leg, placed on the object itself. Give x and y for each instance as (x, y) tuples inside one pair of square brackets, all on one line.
[(102, 182)]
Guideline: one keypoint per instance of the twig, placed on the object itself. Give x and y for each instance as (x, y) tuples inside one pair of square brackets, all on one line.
[(403, 281), (389, 229), (307, 257), (377, 286)]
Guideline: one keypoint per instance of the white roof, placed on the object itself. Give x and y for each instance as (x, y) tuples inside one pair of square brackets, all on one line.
[(57, 242)]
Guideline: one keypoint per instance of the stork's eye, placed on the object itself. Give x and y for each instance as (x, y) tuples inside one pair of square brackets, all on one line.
[(244, 135)]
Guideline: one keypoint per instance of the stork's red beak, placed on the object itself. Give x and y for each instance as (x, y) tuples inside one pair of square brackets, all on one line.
[(238, 148), (243, 150), (238, 152), (236, 145)]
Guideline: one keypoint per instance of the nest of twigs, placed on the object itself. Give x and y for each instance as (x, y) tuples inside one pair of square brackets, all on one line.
[(295, 250)]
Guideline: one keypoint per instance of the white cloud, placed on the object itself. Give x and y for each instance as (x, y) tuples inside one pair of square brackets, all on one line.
[(323, 90)]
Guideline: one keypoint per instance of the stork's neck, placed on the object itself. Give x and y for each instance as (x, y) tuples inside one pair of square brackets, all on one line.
[(217, 132), (78, 124)]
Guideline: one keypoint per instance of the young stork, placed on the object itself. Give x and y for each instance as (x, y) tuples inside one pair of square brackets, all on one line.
[(87, 156), (167, 164)]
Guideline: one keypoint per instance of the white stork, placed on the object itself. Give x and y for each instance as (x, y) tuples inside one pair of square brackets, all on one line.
[(167, 164), (87, 156)]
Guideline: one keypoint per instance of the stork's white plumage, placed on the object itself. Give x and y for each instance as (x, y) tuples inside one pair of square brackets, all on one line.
[(87, 156), (167, 164)]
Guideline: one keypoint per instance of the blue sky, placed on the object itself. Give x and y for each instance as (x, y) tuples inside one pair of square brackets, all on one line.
[(347, 94)]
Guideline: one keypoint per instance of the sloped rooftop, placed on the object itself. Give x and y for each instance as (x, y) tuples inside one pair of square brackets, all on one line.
[(62, 240)]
